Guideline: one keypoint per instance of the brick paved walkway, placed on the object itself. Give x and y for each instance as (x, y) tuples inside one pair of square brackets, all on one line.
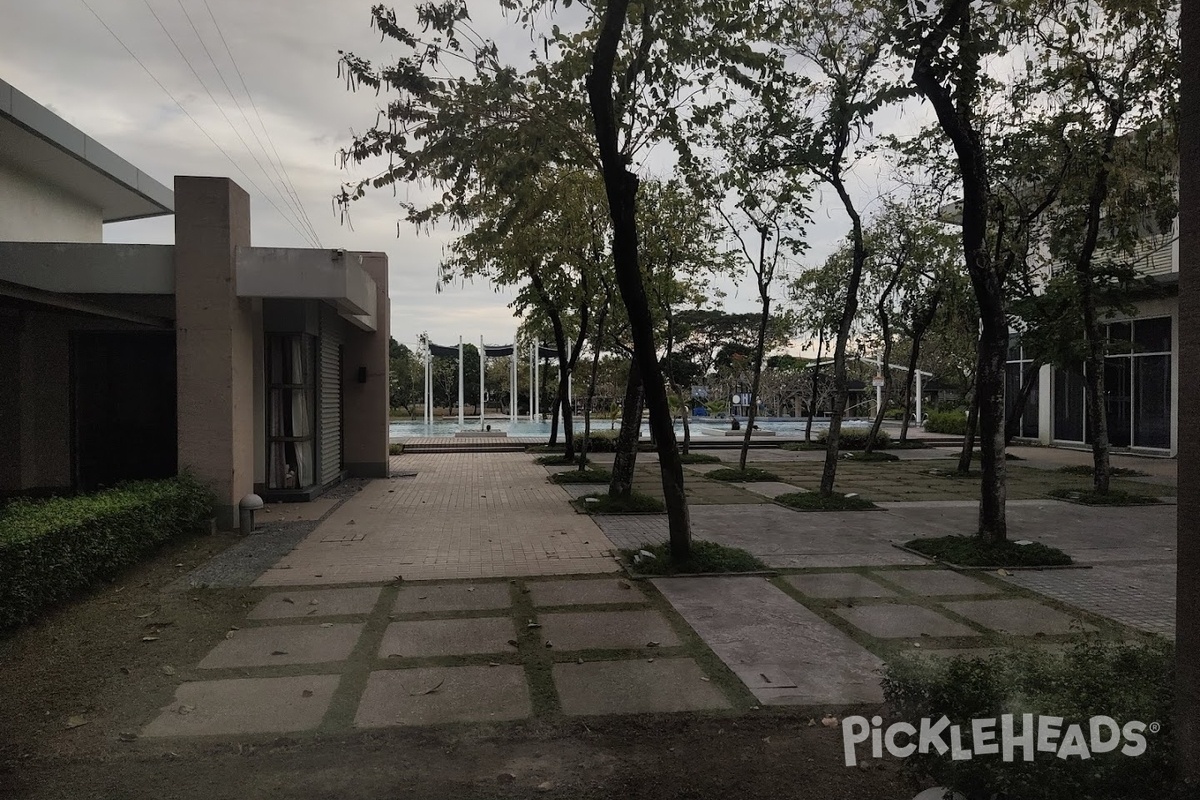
[(463, 515)]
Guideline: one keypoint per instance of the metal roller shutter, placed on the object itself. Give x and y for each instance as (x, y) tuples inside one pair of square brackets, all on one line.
[(330, 394)]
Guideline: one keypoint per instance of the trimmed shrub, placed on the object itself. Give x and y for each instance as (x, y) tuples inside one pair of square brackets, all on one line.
[(51, 549), (749, 474), (950, 422), (1125, 682), (581, 476), (598, 442), (634, 503), (395, 449), (1114, 497), (815, 501), (698, 458), (855, 438)]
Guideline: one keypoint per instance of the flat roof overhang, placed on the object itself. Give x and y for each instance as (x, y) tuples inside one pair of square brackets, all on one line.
[(287, 273), (38, 142)]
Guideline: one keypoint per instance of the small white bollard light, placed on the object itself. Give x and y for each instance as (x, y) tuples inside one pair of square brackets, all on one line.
[(249, 504)]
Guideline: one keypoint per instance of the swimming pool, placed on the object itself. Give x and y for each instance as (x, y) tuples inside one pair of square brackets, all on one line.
[(700, 426)]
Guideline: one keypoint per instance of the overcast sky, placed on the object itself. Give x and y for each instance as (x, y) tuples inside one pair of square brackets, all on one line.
[(57, 52)]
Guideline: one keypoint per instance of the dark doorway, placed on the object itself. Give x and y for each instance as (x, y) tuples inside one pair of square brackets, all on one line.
[(123, 400)]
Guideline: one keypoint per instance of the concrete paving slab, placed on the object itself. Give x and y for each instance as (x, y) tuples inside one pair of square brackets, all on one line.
[(770, 489), (937, 582), (452, 597), (447, 637), (1139, 595), (635, 687), (293, 512), (758, 631), (280, 645), (902, 622), (1019, 616), (320, 603), (838, 584), (245, 705), (436, 695), (584, 592), (606, 630)]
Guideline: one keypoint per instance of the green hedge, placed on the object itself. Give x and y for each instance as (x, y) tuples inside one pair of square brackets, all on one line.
[(951, 422), (50, 549), (855, 438), (598, 442), (1127, 682)]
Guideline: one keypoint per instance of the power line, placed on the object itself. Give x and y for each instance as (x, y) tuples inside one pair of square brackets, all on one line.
[(186, 112), (254, 106), (229, 122), (289, 194)]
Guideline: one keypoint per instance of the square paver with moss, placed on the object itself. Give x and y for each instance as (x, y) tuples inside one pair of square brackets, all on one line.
[(902, 622), (317, 603), (245, 705), (838, 584), (607, 630), (452, 597), (426, 696), (583, 592), (447, 637), (631, 687), (937, 582), (279, 645), (1017, 616)]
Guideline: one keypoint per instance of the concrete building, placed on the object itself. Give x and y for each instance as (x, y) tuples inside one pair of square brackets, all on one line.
[(257, 369), (1141, 378)]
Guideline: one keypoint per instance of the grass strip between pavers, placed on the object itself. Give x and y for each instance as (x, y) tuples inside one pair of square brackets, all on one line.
[(972, 551)]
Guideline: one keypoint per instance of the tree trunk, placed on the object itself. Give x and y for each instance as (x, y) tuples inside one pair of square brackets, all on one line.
[(908, 386), (841, 395), (955, 110), (968, 446), (685, 416), (627, 439), (989, 382), (591, 392), (759, 346), (554, 422), (568, 429), (816, 376), (885, 396), (621, 189)]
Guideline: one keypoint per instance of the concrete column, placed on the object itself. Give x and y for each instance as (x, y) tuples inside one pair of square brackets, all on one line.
[(215, 334), (1187, 605), (460, 382), (1046, 404), (365, 415)]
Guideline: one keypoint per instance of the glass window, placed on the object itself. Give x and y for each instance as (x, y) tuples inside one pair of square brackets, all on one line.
[(289, 411), (1152, 398), (1029, 422), (1117, 400), (1068, 405), (1152, 335)]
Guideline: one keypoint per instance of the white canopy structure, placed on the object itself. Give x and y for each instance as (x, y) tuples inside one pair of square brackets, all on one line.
[(485, 351)]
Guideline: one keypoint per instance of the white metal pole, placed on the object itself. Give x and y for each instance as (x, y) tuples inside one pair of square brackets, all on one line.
[(482, 368), (512, 384), (531, 383), (425, 387), (920, 393), (460, 382), (537, 377)]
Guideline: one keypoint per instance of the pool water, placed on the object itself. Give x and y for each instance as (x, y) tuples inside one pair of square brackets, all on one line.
[(699, 426)]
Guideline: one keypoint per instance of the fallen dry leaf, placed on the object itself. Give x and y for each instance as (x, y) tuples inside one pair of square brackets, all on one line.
[(829, 721), (289, 600), (167, 669), (229, 634), (651, 644), (127, 737), (279, 652), (306, 693), (184, 710), (149, 638), (76, 721), (430, 690), (326, 624)]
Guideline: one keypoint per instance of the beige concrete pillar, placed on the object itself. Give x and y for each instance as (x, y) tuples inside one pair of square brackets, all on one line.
[(215, 334), (365, 404)]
